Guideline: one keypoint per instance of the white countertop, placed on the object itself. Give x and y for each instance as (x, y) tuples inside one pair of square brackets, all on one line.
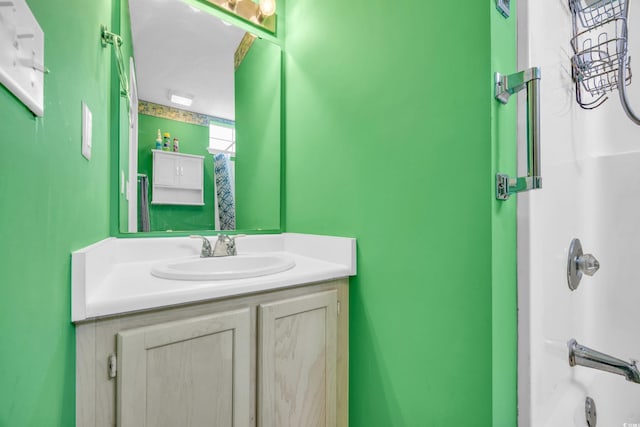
[(113, 276)]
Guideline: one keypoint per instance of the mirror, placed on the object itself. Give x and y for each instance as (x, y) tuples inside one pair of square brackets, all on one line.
[(229, 134)]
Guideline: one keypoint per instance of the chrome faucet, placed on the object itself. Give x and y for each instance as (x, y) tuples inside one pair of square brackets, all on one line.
[(225, 246), (584, 356)]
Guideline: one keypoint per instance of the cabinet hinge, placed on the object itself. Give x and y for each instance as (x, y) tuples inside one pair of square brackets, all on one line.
[(112, 362)]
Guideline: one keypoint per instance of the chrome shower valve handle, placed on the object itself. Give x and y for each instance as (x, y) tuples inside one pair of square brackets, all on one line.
[(578, 264)]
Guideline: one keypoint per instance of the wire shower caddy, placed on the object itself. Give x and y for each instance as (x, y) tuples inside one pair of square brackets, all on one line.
[(599, 44)]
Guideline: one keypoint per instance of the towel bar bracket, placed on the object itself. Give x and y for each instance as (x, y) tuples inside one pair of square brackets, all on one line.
[(506, 186)]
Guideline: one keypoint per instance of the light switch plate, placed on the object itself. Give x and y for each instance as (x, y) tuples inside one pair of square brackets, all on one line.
[(86, 131), (504, 6)]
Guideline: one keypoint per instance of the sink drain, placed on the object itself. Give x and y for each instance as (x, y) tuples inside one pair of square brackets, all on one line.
[(590, 412)]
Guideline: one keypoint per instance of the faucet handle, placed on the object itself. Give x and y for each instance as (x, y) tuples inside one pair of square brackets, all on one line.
[(206, 251), (232, 243)]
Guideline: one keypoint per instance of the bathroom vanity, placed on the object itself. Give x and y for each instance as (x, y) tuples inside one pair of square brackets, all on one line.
[(266, 351)]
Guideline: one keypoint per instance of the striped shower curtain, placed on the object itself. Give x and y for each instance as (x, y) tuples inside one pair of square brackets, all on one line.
[(224, 193)]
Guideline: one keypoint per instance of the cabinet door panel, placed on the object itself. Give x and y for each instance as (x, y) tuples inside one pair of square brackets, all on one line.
[(191, 173), (193, 372), (165, 169), (297, 361)]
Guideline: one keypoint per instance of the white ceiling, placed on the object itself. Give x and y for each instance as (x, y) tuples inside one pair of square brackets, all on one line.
[(178, 47)]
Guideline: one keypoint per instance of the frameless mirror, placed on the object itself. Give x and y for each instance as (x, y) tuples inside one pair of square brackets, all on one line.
[(203, 151)]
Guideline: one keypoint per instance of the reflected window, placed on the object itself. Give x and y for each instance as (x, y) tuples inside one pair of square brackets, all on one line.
[(222, 139)]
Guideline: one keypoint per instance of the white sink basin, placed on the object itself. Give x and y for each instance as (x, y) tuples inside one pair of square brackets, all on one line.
[(223, 268)]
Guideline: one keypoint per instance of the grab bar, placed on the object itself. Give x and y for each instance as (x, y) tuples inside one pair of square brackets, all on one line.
[(505, 86), (584, 356)]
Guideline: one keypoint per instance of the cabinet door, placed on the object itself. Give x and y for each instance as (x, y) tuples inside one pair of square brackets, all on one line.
[(297, 361), (193, 372), (191, 173), (165, 169)]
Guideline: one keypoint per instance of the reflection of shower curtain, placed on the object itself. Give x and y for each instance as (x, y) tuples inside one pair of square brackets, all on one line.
[(224, 193), (143, 203)]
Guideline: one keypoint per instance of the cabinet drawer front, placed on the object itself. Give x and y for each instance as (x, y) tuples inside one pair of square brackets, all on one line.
[(297, 361), (191, 372)]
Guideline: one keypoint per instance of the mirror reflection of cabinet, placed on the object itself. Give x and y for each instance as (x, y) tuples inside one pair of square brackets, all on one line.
[(177, 179)]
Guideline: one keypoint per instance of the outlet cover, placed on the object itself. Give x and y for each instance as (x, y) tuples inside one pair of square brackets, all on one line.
[(86, 131)]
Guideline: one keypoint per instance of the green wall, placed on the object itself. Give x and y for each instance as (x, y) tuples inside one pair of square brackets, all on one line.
[(503, 226), (53, 202), (390, 137), (257, 100), (194, 139)]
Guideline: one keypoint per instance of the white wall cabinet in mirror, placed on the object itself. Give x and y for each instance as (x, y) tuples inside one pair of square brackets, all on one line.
[(177, 179), (229, 77)]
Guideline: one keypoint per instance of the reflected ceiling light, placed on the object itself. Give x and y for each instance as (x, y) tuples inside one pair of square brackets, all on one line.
[(260, 12), (184, 100), (266, 8)]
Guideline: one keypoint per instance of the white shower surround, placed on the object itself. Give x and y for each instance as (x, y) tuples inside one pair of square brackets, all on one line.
[(591, 190)]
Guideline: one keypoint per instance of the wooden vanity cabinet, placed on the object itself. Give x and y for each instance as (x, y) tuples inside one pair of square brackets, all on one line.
[(271, 359), (297, 360)]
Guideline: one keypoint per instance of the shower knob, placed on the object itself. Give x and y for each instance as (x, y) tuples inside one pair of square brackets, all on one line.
[(588, 264), (578, 264)]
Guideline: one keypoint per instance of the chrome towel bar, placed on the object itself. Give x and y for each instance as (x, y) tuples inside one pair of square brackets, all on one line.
[(505, 86), (107, 37)]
